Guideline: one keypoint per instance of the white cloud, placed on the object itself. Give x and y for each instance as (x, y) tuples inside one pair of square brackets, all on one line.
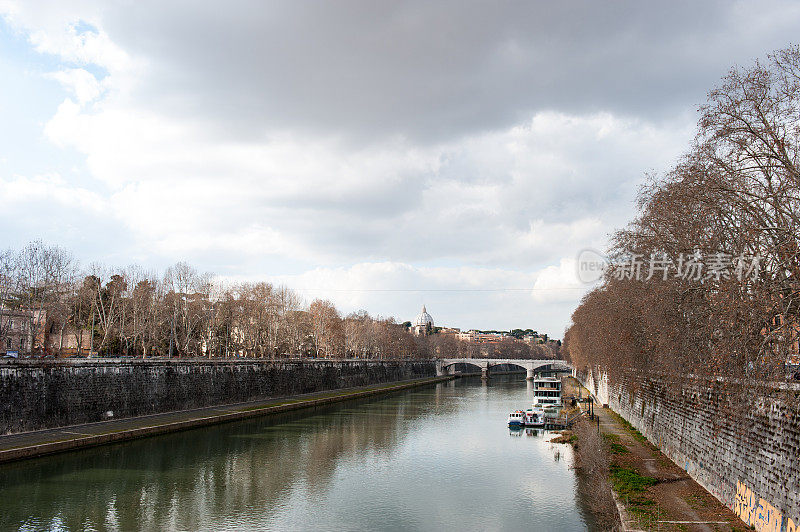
[(80, 82), (559, 283), (17, 191), (70, 31), (516, 196), (511, 207)]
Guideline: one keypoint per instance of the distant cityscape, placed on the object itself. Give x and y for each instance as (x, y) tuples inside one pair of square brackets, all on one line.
[(515, 343)]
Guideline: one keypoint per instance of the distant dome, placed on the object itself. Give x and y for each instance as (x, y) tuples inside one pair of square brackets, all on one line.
[(424, 319)]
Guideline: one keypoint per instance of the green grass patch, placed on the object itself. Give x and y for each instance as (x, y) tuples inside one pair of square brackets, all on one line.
[(647, 515), (617, 448), (630, 428), (631, 488), (628, 482), (614, 445)]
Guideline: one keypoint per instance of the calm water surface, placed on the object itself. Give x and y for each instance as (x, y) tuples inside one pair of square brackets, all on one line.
[(432, 458)]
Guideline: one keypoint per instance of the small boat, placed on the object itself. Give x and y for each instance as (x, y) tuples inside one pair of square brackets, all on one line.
[(516, 418), (534, 417)]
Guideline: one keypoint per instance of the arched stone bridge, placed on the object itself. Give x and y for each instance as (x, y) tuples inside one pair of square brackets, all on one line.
[(485, 363)]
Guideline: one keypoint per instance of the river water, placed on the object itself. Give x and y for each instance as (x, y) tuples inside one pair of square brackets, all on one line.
[(438, 457)]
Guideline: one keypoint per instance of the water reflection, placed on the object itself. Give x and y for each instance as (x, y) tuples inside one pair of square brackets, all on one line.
[(423, 459), (529, 431)]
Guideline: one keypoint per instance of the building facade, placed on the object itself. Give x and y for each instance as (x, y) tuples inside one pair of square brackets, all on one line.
[(20, 330), (423, 325)]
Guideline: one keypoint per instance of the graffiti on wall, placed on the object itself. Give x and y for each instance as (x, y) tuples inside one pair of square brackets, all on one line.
[(758, 513)]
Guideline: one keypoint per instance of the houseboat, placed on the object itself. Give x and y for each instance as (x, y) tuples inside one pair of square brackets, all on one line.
[(547, 392)]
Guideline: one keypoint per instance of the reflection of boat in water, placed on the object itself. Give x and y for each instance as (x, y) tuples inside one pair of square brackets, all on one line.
[(516, 430), (516, 418), (519, 430)]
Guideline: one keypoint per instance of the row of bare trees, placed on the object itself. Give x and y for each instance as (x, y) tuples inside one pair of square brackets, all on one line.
[(183, 312), (736, 193), (180, 313)]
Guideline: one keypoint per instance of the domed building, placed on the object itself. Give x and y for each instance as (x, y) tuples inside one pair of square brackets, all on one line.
[(423, 324)]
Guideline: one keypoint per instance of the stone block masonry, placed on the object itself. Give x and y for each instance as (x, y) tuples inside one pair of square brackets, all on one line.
[(740, 442), (46, 394)]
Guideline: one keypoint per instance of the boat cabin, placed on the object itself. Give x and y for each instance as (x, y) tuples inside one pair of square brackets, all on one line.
[(547, 391)]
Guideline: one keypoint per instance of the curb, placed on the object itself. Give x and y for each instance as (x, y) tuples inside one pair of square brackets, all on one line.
[(624, 518)]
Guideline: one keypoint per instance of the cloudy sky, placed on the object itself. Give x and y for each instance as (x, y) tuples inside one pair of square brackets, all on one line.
[(382, 155)]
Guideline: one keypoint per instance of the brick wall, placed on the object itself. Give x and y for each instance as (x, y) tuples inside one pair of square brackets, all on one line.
[(743, 447), (36, 395)]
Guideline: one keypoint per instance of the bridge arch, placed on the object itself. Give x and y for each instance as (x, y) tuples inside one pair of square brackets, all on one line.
[(531, 365), (474, 364), (508, 363)]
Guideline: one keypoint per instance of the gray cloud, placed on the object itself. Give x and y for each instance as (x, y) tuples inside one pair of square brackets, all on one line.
[(433, 70)]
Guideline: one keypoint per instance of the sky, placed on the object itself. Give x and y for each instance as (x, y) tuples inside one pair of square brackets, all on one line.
[(455, 154)]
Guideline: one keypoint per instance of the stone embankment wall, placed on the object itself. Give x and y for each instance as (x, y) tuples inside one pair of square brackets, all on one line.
[(740, 442), (596, 382), (36, 395)]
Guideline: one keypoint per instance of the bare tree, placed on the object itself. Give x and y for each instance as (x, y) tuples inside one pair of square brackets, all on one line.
[(8, 284), (326, 328), (736, 193), (42, 274), (187, 294)]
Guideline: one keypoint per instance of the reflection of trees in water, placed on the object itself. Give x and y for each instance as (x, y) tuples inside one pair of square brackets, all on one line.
[(186, 480)]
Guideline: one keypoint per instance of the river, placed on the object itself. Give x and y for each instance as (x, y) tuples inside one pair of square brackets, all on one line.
[(430, 458)]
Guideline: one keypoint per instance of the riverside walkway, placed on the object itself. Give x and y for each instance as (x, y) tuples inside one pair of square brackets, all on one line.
[(670, 499), (49, 441)]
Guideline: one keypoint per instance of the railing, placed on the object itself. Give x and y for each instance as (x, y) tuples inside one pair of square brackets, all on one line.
[(571, 420)]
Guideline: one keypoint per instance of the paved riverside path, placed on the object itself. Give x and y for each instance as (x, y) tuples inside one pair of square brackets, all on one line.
[(41, 442), (681, 503)]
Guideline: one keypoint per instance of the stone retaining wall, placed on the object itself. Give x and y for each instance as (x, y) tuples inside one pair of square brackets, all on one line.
[(37, 394), (596, 382), (739, 442)]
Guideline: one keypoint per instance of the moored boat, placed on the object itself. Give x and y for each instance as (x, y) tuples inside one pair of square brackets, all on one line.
[(534, 417), (547, 391), (516, 418)]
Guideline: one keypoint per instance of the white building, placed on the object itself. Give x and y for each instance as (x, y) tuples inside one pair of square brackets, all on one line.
[(423, 324)]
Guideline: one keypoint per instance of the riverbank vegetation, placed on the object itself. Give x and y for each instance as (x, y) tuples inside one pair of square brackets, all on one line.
[(592, 468), (591, 463), (706, 279)]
